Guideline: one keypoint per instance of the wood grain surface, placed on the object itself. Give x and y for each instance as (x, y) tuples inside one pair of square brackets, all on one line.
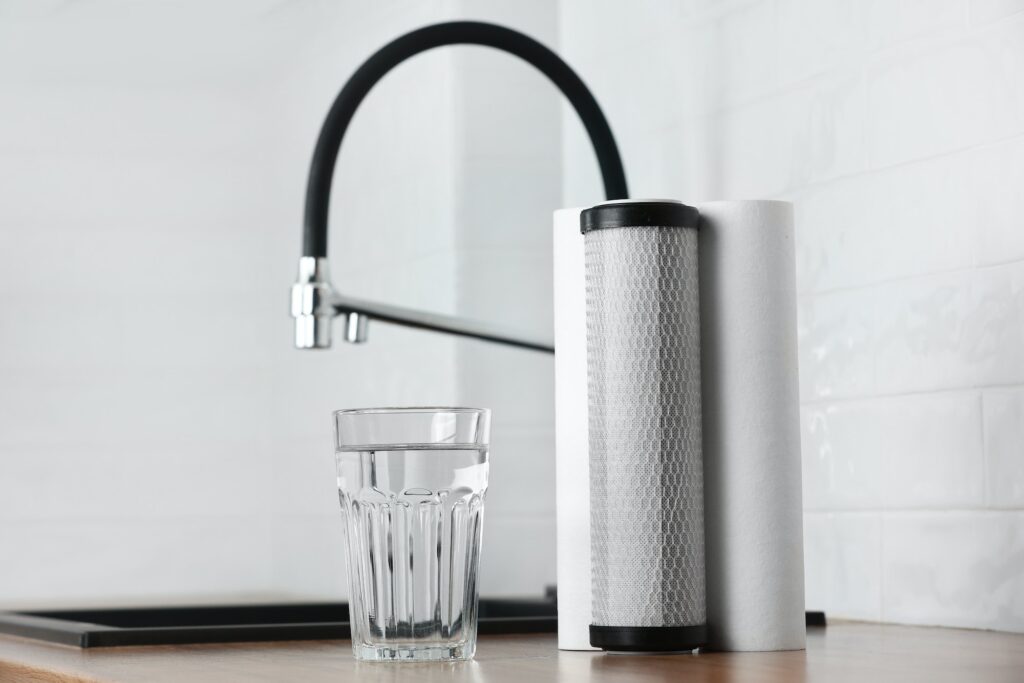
[(842, 652)]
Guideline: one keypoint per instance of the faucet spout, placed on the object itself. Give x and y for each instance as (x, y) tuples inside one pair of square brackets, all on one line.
[(314, 300), (312, 332)]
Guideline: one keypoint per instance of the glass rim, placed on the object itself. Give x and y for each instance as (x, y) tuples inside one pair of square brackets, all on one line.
[(413, 427), (411, 409)]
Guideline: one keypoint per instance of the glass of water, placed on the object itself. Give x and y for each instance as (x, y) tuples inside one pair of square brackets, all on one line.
[(412, 483)]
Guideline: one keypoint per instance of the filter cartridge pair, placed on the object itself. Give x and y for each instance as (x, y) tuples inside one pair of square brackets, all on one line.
[(670, 456)]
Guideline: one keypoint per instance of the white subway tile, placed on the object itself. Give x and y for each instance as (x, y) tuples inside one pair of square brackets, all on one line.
[(789, 140), (816, 35), (911, 112), (584, 24), (843, 559), (659, 95), (525, 108), (537, 18), (895, 127), (996, 175), (842, 465), (837, 235), (516, 220), (522, 472), (397, 366), (757, 144), (90, 263), (303, 471), (994, 332), (836, 143), (914, 232), (516, 385), (230, 44), (113, 560), (645, 93), (90, 405), (836, 344), (166, 477), (985, 11), (922, 340), (739, 55), (137, 219), (659, 170), (508, 287), (889, 224), (310, 556), (581, 177), (951, 330), (715, 8), (518, 556), (932, 448), (909, 451), (894, 21), (115, 121), (87, 332), (954, 569), (756, 148), (1004, 447), (190, 193)]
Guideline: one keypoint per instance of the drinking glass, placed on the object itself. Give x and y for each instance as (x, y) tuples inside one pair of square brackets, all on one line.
[(412, 483)]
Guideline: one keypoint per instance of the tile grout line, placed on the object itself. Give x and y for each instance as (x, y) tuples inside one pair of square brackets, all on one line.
[(881, 565), (865, 398), (845, 289), (985, 496), (911, 511)]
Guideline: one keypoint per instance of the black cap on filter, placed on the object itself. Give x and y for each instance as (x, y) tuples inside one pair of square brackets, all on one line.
[(639, 213)]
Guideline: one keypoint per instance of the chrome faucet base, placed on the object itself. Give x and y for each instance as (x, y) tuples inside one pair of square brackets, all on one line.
[(312, 307)]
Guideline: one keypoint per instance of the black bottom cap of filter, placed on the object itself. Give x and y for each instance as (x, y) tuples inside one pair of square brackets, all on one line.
[(648, 638)]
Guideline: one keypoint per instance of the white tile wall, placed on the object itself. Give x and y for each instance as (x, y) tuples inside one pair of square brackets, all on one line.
[(984, 11), (896, 128), (1004, 447), (814, 36), (894, 21), (836, 343), (911, 113), (843, 555), (159, 438), (954, 569), (509, 174), (917, 451), (996, 201)]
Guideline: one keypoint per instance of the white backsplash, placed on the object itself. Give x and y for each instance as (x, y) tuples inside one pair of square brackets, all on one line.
[(897, 128), (160, 440)]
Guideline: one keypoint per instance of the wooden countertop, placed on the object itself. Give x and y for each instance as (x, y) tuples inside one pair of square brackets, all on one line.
[(841, 652)]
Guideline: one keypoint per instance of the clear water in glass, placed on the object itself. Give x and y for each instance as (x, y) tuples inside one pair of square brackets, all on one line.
[(413, 519)]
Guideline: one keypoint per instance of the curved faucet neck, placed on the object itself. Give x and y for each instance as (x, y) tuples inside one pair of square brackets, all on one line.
[(325, 155), (315, 302)]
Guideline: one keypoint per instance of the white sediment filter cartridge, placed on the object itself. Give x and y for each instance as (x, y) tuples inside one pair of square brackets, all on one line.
[(572, 466), (752, 471)]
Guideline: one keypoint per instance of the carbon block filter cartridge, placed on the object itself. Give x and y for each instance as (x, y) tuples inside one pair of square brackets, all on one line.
[(644, 405)]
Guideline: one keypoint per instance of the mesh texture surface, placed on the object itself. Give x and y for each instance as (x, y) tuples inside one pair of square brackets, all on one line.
[(646, 473)]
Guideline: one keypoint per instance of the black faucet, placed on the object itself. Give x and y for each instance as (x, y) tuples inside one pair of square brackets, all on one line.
[(315, 302)]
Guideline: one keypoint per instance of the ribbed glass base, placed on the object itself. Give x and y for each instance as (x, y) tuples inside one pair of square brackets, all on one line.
[(414, 653)]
